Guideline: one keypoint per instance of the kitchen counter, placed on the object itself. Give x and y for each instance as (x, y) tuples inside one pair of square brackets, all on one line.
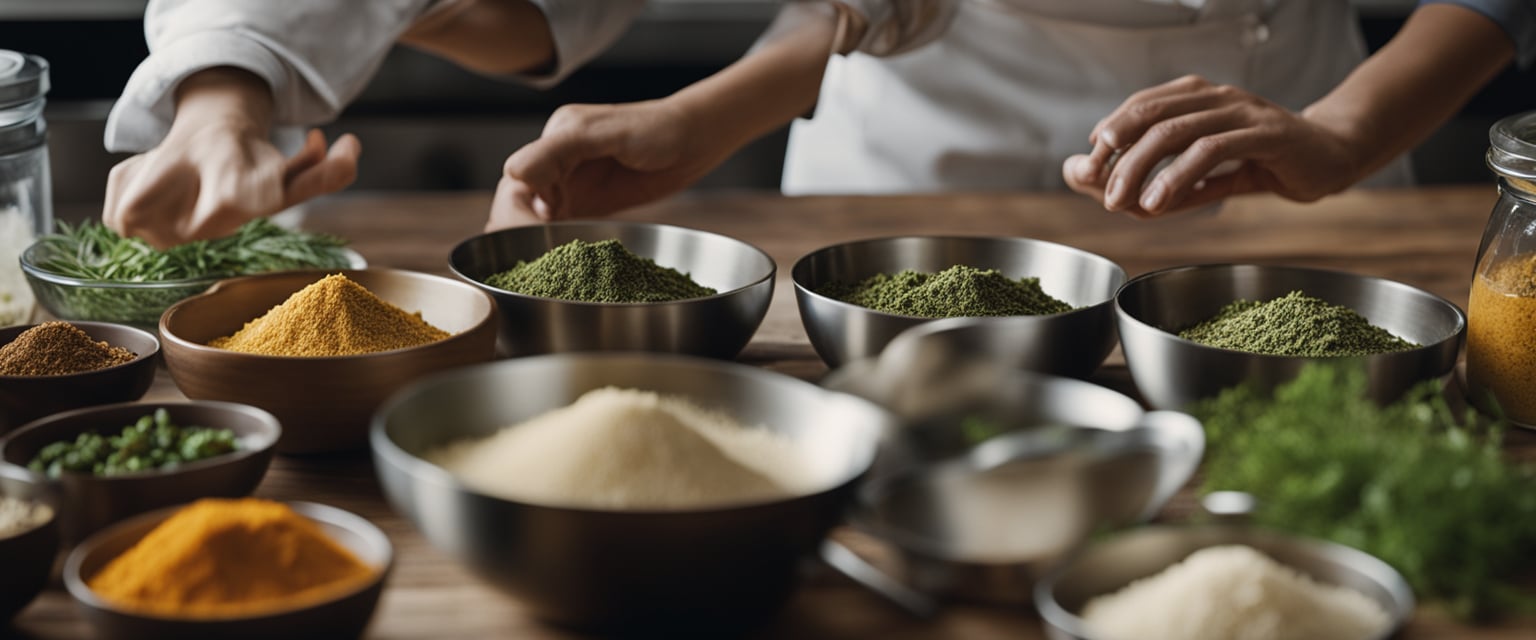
[(1425, 237)]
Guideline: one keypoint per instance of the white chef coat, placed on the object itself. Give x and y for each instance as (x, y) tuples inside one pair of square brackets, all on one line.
[(317, 55), (1002, 96)]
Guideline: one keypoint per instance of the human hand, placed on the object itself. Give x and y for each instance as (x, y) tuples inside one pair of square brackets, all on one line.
[(1208, 129), (595, 160)]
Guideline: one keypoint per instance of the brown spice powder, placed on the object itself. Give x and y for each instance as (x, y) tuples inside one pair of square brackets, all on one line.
[(1501, 338), (332, 317), (57, 349)]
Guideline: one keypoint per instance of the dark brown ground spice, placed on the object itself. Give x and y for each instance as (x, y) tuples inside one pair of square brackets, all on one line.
[(56, 349)]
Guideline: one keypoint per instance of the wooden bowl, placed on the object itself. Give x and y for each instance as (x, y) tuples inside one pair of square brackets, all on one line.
[(344, 616), (27, 558), (27, 398), (85, 503), (325, 403)]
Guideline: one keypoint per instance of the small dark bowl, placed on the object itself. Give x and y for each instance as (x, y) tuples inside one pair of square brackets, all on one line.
[(716, 326), (27, 561), (86, 503), (325, 403), (27, 398), (344, 616)]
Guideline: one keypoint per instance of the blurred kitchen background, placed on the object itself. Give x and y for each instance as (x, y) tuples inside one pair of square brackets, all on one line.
[(425, 124)]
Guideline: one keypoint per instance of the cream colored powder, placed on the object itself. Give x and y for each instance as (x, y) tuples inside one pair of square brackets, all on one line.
[(1233, 593), (627, 449), (15, 294)]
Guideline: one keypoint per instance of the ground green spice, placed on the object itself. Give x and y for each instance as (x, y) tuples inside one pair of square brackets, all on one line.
[(1294, 325), (956, 292), (603, 271)]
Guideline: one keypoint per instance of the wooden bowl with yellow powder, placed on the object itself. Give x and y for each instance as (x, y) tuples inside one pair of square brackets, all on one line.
[(232, 569), (322, 350)]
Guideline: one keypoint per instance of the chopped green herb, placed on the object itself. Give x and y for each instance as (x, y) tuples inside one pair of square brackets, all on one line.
[(150, 443)]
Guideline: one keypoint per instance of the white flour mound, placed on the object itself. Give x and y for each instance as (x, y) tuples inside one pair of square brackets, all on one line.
[(1233, 593), (627, 449)]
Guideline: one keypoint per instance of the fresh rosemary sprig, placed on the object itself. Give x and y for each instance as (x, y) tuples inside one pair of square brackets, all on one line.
[(91, 251)]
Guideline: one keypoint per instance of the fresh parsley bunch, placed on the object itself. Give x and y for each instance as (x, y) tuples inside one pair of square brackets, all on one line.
[(1426, 490)]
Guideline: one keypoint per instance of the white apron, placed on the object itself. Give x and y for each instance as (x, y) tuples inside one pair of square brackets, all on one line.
[(1015, 86)]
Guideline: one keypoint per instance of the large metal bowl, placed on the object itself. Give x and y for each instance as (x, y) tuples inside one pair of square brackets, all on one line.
[(1073, 343), (716, 326), (1171, 372), (628, 571), (1108, 566)]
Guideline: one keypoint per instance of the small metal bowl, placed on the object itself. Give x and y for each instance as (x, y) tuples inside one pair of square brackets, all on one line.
[(345, 615), (86, 503), (716, 326), (706, 572), (134, 303), (28, 558), (27, 398), (1072, 343), (1106, 567), (1171, 372), (324, 403)]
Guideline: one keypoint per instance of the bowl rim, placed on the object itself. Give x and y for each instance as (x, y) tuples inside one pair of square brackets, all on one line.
[(320, 514), (1120, 271), (773, 266), (218, 287), (355, 260), (138, 359), (270, 425), (1127, 316), (417, 467), (1053, 614)]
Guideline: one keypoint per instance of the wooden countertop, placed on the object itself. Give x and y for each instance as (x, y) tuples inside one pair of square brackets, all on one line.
[(1425, 237)]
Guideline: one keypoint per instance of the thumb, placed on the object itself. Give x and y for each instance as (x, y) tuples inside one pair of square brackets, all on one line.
[(545, 164)]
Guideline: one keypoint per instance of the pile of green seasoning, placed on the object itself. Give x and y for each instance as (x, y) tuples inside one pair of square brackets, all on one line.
[(1294, 325), (602, 271), (151, 443), (956, 292)]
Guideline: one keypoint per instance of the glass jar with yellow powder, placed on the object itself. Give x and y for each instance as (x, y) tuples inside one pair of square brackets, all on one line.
[(1501, 314)]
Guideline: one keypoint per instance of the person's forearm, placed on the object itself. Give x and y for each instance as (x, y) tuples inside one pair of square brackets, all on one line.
[(498, 37), (1442, 56), (775, 83), (227, 95)]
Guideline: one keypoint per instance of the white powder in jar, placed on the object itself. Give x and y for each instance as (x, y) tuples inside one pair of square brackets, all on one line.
[(628, 449), (19, 516), (15, 295), (1233, 592)]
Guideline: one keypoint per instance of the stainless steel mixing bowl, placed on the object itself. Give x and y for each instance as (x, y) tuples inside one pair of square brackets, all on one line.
[(1105, 567), (625, 570), (1171, 372), (717, 326), (1071, 343)]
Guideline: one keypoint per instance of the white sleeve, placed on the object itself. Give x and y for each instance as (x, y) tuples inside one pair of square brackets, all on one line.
[(897, 26), (316, 55), (581, 29)]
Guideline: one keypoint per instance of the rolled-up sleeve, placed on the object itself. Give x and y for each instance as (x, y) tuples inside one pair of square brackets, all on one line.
[(316, 56), (891, 27), (1516, 17)]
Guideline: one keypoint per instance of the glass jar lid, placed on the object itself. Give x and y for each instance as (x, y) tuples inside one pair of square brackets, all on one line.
[(1512, 147), (23, 78)]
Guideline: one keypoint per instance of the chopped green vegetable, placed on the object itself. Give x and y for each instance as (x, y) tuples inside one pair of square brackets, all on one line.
[(1424, 489), (150, 443)]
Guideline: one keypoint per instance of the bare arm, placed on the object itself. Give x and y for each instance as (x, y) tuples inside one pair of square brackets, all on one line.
[(499, 37)]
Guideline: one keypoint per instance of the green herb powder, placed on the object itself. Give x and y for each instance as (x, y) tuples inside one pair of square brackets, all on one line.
[(603, 271), (1294, 325), (958, 291)]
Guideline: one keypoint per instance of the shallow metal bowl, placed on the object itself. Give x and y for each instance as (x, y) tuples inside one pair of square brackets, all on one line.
[(627, 571), (1071, 343), (716, 326), (342, 615), (1105, 567), (1171, 372)]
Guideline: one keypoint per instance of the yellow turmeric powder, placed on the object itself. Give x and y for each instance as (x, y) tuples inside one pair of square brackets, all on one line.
[(332, 317), (219, 558)]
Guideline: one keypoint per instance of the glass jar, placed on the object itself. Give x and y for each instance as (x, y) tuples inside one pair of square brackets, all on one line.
[(26, 194), (1501, 314)]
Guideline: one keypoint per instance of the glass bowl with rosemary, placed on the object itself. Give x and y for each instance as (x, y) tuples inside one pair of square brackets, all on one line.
[(89, 272)]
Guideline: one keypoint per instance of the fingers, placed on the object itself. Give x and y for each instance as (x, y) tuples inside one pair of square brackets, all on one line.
[(310, 155), (332, 173), (1102, 133), (1171, 189), (1168, 138), (1133, 118), (513, 205), (146, 198), (573, 135)]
